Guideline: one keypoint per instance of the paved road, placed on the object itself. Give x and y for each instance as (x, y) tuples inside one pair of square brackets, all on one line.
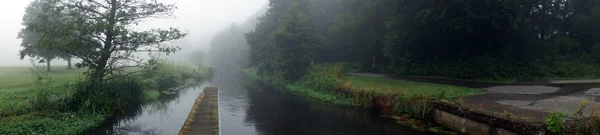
[(536, 101), (532, 100)]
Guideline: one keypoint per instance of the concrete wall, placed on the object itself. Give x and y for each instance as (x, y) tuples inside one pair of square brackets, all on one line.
[(467, 126)]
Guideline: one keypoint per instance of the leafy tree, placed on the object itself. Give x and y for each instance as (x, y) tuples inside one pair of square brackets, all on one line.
[(289, 43), (491, 39), (30, 44), (100, 32), (228, 48)]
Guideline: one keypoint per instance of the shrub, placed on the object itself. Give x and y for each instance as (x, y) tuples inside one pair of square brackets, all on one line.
[(320, 77), (43, 97), (589, 124), (594, 121), (103, 98), (164, 75), (554, 122), (150, 95), (502, 68)]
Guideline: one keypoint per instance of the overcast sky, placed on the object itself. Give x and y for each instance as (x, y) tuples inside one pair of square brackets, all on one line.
[(201, 18)]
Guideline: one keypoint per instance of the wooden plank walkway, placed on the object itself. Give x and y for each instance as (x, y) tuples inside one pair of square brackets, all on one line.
[(204, 116)]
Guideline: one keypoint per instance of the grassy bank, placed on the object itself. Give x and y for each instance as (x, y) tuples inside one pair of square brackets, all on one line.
[(403, 100), (60, 102), (18, 114), (387, 85)]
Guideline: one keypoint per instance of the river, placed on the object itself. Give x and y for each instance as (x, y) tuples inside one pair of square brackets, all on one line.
[(248, 107)]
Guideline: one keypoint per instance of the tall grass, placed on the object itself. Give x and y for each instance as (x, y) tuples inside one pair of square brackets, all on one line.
[(165, 74), (42, 109), (103, 98)]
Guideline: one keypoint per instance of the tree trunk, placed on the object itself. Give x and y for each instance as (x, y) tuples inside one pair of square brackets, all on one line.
[(69, 63), (373, 64), (105, 52), (48, 64)]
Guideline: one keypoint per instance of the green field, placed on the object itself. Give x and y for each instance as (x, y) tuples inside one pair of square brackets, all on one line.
[(22, 77), (17, 83), (17, 115), (388, 85), (29, 106)]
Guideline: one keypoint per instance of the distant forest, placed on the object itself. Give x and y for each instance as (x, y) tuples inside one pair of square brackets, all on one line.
[(469, 39)]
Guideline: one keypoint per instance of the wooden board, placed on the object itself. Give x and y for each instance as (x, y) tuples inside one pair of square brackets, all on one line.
[(204, 116)]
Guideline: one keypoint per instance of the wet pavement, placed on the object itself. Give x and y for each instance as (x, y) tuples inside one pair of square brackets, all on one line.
[(537, 101), (530, 101)]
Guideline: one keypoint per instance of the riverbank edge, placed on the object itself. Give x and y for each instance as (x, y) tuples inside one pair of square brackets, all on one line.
[(115, 114), (343, 98), (472, 121), (440, 112)]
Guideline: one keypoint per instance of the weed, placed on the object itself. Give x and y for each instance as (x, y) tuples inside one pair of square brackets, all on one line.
[(594, 121), (525, 118), (554, 122), (579, 112), (480, 108), (590, 124), (150, 95), (337, 72), (507, 113), (459, 101), (42, 99)]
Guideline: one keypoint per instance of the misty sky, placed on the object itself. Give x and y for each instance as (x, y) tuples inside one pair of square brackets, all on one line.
[(201, 18)]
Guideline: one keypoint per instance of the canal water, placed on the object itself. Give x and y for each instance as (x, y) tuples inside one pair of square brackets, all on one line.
[(248, 107)]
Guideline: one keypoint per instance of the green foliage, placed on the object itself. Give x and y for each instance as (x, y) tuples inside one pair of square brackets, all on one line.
[(484, 40), (596, 53), (283, 46), (99, 32), (586, 124), (49, 123), (34, 43), (228, 49), (20, 88), (49, 104), (319, 83), (43, 97), (327, 83), (105, 97), (554, 122), (409, 88), (252, 72), (321, 77), (39, 106), (321, 95), (150, 95), (165, 74)]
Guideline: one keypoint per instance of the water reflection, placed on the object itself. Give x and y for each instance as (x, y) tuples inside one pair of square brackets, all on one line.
[(274, 112), (248, 107), (162, 117)]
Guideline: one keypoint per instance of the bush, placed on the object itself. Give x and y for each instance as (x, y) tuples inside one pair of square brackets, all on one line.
[(150, 95), (43, 97), (164, 75), (554, 122), (490, 68), (49, 123), (322, 77), (103, 98)]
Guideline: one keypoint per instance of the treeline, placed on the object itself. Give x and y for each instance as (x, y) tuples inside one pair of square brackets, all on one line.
[(481, 39), (228, 49)]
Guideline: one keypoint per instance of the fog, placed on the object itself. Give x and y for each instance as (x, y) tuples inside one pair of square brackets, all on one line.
[(202, 19)]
